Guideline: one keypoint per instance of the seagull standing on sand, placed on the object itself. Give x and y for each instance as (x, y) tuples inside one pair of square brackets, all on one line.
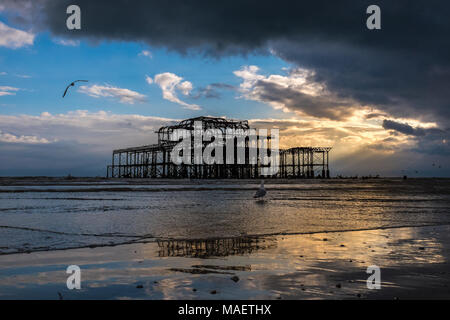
[(261, 191), (71, 85)]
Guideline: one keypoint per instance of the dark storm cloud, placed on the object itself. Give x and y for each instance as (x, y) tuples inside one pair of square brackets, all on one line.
[(429, 141), (403, 128), (410, 130), (404, 68), (220, 27), (318, 106), (404, 84), (246, 25)]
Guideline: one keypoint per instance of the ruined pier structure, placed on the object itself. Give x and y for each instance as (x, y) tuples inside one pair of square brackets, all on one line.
[(154, 161)]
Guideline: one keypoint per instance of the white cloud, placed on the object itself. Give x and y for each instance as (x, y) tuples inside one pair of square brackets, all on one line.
[(11, 138), (146, 53), (185, 87), (169, 84), (3, 73), (14, 38), (250, 75), (8, 91), (124, 95)]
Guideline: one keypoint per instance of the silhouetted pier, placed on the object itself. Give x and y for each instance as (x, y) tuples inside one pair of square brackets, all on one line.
[(154, 161)]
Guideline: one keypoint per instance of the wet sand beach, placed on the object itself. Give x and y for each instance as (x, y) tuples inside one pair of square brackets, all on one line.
[(211, 240), (414, 263)]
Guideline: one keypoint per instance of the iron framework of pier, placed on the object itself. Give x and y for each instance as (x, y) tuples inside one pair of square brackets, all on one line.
[(154, 161)]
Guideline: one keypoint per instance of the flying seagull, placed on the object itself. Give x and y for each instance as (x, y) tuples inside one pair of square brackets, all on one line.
[(261, 191), (71, 85)]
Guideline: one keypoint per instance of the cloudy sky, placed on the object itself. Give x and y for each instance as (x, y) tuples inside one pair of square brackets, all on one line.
[(380, 98)]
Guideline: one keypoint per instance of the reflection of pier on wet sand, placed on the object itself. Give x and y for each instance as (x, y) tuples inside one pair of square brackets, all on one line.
[(414, 263), (220, 247)]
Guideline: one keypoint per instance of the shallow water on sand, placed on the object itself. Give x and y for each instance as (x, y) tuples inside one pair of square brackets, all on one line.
[(414, 263), (47, 216)]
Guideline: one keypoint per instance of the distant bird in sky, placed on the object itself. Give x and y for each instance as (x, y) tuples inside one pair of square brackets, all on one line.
[(71, 85), (261, 192)]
